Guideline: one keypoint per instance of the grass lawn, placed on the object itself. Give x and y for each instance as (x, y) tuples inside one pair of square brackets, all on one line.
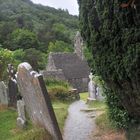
[(105, 129), (9, 130), (84, 96), (7, 123), (61, 112), (99, 105)]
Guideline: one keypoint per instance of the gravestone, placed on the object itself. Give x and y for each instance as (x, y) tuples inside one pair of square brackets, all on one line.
[(3, 94), (21, 120), (99, 95), (91, 89), (38, 104), (12, 86)]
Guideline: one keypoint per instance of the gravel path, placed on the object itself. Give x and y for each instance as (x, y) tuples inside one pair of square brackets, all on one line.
[(78, 126)]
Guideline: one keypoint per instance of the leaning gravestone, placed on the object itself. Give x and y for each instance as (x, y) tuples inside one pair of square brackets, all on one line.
[(3, 94), (37, 101)]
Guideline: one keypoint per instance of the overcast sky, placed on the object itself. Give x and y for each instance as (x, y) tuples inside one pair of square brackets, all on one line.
[(71, 5)]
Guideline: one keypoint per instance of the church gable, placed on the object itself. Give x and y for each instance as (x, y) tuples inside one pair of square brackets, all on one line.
[(71, 65)]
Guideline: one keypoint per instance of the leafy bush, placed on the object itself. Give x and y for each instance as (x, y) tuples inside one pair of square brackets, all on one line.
[(117, 113), (52, 82), (35, 57), (6, 57), (59, 46), (112, 35), (23, 39), (60, 90), (103, 122)]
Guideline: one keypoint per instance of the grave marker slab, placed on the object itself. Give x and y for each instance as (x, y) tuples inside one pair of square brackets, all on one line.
[(3, 94), (37, 101), (12, 86)]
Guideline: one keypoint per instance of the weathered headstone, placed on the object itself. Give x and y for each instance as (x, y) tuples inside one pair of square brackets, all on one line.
[(99, 95), (3, 94), (21, 120), (12, 86), (13, 91), (91, 89), (38, 104)]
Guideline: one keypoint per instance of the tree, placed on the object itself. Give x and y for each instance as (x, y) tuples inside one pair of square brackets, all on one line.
[(6, 57), (6, 28), (35, 58), (23, 39), (112, 33), (59, 46), (9, 57)]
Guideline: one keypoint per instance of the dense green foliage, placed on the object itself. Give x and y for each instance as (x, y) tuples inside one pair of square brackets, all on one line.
[(24, 25), (113, 35), (23, 39), (60, 90), (35, 57), (59, 46), (31, 31), (6, 57)]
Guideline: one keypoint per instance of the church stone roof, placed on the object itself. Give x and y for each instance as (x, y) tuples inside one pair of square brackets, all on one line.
[(71, 64)]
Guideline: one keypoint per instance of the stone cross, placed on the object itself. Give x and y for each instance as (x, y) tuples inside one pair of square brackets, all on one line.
[(37, 101), (3, 94), (91, 76)]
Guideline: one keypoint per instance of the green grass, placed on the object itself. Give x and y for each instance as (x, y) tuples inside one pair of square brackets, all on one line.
[(32, 134), (50, 82), (84, 96), (9, 130), (7, 123), (61, 112), (99, 105), (104, 123)]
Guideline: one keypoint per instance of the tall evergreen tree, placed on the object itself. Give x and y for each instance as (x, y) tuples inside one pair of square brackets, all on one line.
[(111, 29)]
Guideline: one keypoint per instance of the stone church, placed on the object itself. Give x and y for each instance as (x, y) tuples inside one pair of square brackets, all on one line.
[(71, 67)]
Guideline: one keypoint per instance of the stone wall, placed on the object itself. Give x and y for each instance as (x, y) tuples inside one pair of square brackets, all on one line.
[(57, 74), (80, 84)]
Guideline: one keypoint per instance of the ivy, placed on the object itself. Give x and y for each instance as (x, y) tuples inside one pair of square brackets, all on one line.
[(113, 35)]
